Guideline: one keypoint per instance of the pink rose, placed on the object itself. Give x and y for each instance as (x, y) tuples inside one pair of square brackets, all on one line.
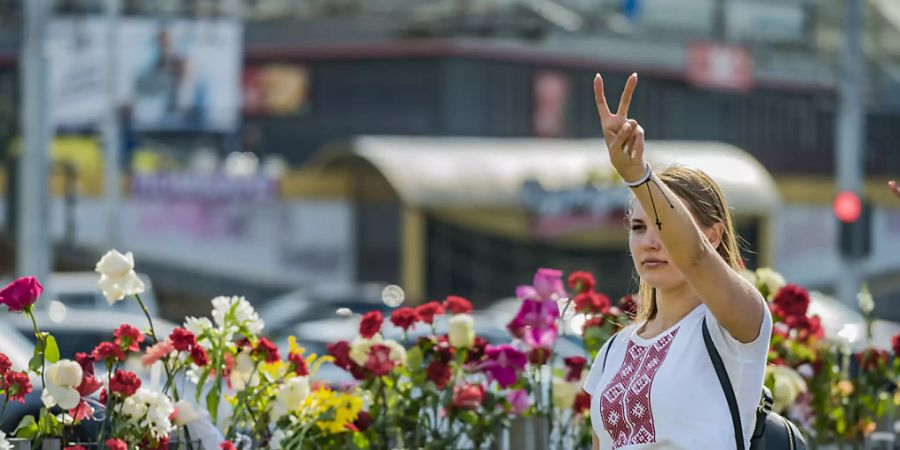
[(21, 294)]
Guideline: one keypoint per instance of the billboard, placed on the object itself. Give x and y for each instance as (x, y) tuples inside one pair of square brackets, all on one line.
[(169, 75)]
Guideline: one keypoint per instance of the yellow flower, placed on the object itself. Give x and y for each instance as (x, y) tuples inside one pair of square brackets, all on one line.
[(293, 347), (845, 388)]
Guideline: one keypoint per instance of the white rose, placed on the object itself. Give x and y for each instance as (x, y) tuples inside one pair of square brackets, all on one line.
[(563, 394), (114, 264), (197, 325), (186, 413), (359, 348), (398, 352), (63, 378), (788, 386), (290, 396), (462, 331), (116, 288), (770, 279)]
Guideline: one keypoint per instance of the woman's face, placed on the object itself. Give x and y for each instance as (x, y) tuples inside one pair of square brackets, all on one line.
[(650, 256)]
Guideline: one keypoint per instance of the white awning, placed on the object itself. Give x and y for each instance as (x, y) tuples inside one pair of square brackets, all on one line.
[(441, 172)]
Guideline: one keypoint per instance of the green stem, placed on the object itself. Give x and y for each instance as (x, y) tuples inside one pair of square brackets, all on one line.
[(40, 337), (109, 395)]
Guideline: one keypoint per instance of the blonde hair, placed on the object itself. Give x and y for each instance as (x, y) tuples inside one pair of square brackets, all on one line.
[(705, 201)]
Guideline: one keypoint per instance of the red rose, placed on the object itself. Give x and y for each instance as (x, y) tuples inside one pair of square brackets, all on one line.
[(183, 340), (575, 366), (457, 305), (404, 317), (340, 350), (379, 362), (629, 305), (807, 327), (791, 300), (582, 281), (442, 349), (5, 364), (363, 421), (427, 311), (109, 352), (582, 403), (21, 294), (477, 350), (267, 350), (591, 302), (116, 444), (227, 445), (895, 343), (370, 324), (439, 373), (299, 364), (18, 385), (128, 338), (125, 383), (199, 356), (469, 396)]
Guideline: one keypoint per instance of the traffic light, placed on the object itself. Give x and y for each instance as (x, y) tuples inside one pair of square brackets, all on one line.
[(855, 225)]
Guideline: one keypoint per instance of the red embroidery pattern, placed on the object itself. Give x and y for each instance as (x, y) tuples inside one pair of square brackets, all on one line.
[(625, 402)]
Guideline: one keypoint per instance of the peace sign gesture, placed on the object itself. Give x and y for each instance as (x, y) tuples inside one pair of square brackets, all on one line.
[(624, 137)]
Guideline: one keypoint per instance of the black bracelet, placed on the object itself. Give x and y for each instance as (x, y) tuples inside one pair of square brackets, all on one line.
[(646, 179)]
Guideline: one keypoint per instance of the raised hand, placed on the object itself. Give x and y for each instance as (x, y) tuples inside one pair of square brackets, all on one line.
[(624, 137), (894, 188)]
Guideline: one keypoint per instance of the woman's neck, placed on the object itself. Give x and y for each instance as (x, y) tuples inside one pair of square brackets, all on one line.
[(671, 306)]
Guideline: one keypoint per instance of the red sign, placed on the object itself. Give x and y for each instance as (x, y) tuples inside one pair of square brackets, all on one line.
[(718, 66)]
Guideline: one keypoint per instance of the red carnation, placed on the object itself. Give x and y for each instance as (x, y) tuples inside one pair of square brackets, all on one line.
[(380, 362), (469, 396), (116, 444), (299, 364), (539, 356), (477, 350), (439, 373), (575, 366), (125, 383), (226, 445), (427, 311), (267, 349), (183, 340), (363, 421), (340, 350), (74, 447), (591, 302), (370, 324), (895, 343), (86, 361), (629, 305), (870, 359), (109, 352), (791, 300), (128, 338), (582, 281), (199, 356), (404, 317), (582, 403), (21, 294), (457, 305), (18, 385), (5, 364)]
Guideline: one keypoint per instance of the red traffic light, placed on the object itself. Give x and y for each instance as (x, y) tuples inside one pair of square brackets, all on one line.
[(847, 207)]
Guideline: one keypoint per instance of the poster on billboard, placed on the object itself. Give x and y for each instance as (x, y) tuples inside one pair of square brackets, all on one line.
[(169, 75)]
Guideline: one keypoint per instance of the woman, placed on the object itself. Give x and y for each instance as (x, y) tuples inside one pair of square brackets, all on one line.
[(657, 388)]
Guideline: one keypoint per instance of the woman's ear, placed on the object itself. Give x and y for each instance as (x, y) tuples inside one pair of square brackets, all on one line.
[(714, 234)]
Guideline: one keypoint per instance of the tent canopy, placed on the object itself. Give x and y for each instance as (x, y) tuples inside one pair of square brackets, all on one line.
[(458, 172)]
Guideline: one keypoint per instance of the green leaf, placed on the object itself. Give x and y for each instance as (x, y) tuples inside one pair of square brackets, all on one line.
[(52, 350), (360, 441), (27, 428), (35, 363), (212, 402), (414, 358), (468, 417), (201, 382)]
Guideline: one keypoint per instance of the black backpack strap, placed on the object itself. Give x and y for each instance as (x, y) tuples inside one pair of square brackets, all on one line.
[(606, 354), (726, 385)]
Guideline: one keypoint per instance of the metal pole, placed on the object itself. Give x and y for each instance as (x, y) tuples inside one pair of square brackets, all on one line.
[(33, 246), (110, 129), (850, 125)]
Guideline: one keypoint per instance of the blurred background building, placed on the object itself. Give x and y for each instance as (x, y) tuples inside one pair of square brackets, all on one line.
[(266, 145)]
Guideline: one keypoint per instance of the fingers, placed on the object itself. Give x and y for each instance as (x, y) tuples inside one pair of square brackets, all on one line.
[(600, 98), (894, 188), (637, 150), (622, 137), (625, 101)]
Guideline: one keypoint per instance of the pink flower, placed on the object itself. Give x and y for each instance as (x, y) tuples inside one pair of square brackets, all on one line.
[(549, 285), (157, 351), (535, 323), (116, 444), (503, 363), (21, 293), (518, 401)]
